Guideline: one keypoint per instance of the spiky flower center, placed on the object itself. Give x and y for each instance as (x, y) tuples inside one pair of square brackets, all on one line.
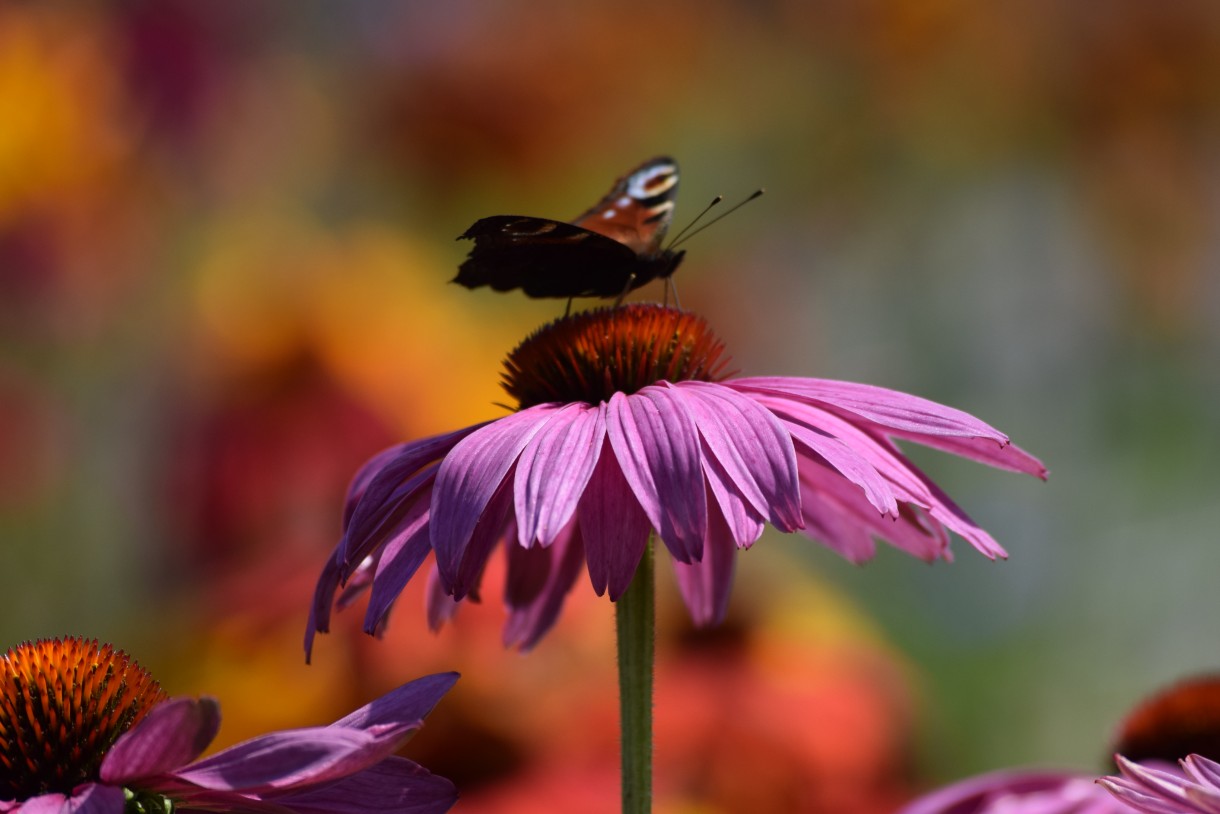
[(63, 703), (592, 355)]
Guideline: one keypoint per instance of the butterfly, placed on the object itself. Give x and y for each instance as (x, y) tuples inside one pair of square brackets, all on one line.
[(612, 249)]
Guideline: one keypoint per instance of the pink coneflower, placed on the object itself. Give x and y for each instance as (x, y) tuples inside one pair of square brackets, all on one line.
[(1179, 720), (83, 728), (1020, 792), (626, 423), (1194, 790)]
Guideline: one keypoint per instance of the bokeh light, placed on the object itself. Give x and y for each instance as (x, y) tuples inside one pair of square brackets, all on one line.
[(226, 233)]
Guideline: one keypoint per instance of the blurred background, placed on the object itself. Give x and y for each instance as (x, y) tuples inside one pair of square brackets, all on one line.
[(226, 232)]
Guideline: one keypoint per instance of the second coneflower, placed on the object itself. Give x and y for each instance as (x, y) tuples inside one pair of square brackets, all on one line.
[(626, 424)]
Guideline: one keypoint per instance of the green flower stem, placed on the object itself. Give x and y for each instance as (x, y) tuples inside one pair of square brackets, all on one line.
[(635, 621)]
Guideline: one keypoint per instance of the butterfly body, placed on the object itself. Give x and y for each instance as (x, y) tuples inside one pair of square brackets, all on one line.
[(611, 249)]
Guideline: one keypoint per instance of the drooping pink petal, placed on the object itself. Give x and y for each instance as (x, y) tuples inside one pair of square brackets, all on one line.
[(751, 445), (944, 510), (95, 798), (840, 516), (172, 734), (380, 477), (528, 570), (706, 585), (657, 447), (398, 560), (1150, 789), (833, 524), (745, 524), (837, 454), (983, 450), (496, 525), (408, 704), (91, 798), (369, 529), (1018, 792), (44, 804), (291, 759), (358, 580), (613, 527), (395, 785), (528, 623), (907, 482), (438, 605), (469, 477), (554, 469), (1129, 796), (323, 601), (888, 408), (365, 474), (875, 450), (1203, 770)]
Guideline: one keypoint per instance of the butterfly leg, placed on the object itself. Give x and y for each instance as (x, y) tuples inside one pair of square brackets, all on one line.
[(669, 286), (626, 288), (567, 309)]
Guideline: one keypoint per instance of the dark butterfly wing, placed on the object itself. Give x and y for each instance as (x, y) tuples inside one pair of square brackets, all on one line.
[(550, 258)]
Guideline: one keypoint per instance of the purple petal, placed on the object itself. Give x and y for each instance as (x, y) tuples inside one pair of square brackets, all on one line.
[(876, 451), (838, 454), (94, 798), (469, 477), (403, 553), (43, 804), (657, 447), (888, 408), (528, 623), (1014, 792), (370, 528), (706, 585), (440, 606), (613, 527), (91, 798), (395, 785), (1203, 770), (1167, 785), (495, 525), (944, 510), (752, 447), (293, 759), (907, 482), (1129, 794), (527, 573), (837, 526), (554, 469), (838, 515), (409, 704), (172, 734), (381, 476), (358, 581), (323, 601), (365, 474), (983, 450), (745, 523)]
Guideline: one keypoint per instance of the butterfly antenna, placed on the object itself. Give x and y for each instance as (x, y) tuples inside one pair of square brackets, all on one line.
[(686, 234), (688, 226)]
